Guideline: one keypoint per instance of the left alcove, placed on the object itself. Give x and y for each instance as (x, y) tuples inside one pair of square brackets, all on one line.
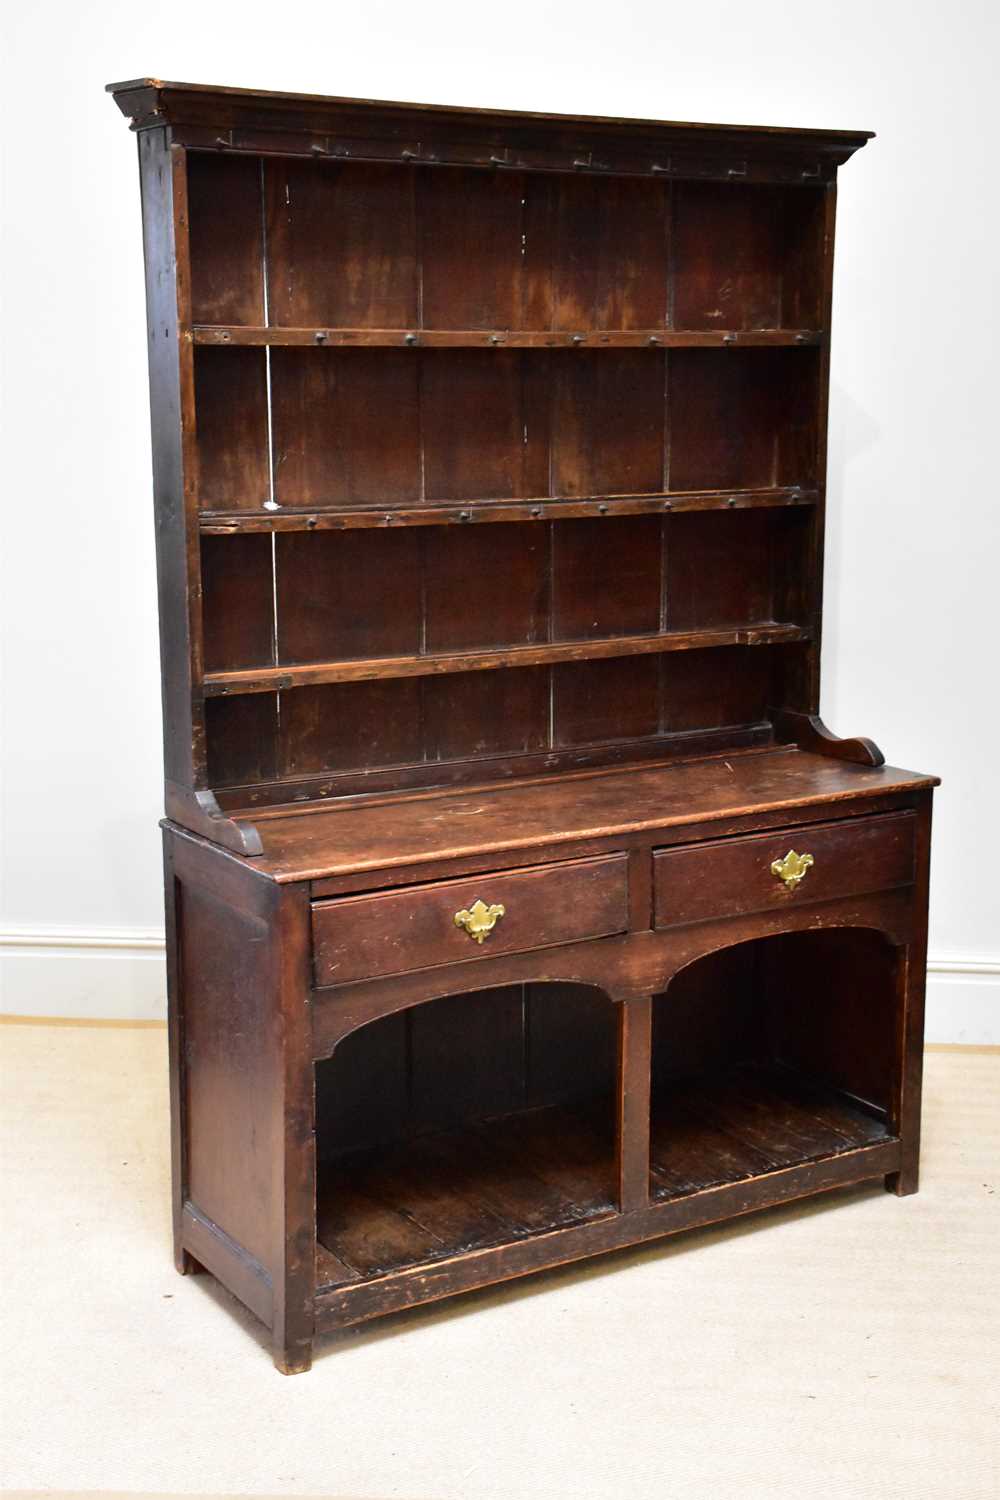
[(465, 1122)]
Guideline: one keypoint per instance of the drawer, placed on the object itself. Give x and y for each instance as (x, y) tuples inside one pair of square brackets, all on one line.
[(728, 877), (392, 932)]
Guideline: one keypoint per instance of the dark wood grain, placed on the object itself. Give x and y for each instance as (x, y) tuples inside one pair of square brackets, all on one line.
[(359, 936), (719, 570), (742, 417), (226, 218), (632, 1132), (355, 724), (443, 1195), (606, 581), (237, 601), (352, 595), (608, 414), (768, 276), (230, 390), (443, 825), (485, 714), (238, 681), (605, 700), (539, 508), (745, 1124), (328, 417), (471, 250), (341, 244), (503, 337), (873, 855), (509, 566)]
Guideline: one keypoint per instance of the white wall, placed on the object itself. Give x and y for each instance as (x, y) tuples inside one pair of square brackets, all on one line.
[(913, 543)]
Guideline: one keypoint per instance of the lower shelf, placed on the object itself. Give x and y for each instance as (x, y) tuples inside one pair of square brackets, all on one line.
[(491, 1183), (506, 1180), (747, 1123)]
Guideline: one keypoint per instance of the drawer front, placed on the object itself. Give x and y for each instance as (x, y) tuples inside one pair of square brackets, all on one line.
[(392, 932), (733, 876)]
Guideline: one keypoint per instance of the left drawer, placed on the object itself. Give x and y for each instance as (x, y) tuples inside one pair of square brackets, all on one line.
[(422, 926)]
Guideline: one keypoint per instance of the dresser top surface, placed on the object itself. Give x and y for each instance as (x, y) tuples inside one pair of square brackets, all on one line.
[(422, 828)]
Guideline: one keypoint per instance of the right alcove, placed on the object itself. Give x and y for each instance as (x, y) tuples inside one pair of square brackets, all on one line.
[(769, 1054)]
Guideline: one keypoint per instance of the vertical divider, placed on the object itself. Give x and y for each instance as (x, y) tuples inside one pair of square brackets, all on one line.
[(271, 502), (421, 544), (665, 537), (668, 230), (418, 277), (635, 1019), (550, 434), (670, 205)]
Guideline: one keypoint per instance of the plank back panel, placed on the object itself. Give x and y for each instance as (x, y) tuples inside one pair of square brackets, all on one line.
[(237, 601), (346, 426), (470, 225), (504, 568), (606, 580), (607, 423), (463, 1059), (347, 594), (341, 244), (472, 423), (227, 247), (742, 417), (231, 407)]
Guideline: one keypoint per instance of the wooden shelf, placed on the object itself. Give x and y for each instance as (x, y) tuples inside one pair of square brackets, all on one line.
[(491, 1183), (272, 679), (746, 1123), (337, 517), (503, 1180), (505, 338)]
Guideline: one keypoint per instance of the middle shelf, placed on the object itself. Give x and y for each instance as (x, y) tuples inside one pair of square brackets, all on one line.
[(340, 517), (497, 338), (271, 679)]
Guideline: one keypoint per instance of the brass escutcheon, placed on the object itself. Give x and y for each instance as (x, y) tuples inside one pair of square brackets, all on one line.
[(479, 919), (792, 868)]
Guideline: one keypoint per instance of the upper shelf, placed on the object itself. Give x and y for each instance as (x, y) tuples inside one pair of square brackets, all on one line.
[(508, 338)]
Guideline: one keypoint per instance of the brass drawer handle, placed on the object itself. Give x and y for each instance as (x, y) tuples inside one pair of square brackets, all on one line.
[(792, 868), (479, 920)]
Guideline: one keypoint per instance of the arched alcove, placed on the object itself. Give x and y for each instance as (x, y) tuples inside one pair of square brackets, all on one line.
[(466, 1121), (769, 1054)]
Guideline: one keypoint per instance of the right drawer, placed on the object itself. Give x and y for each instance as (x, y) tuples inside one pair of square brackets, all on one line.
[(727, 877)]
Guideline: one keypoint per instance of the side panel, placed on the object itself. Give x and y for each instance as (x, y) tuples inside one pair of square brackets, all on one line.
[(171, 394), (242, 1086)]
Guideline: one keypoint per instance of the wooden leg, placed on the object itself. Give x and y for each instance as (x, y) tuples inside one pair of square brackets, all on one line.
[(293, 1359), (905, 1109), (183, 1260), (294, 1258), (903, 1182)]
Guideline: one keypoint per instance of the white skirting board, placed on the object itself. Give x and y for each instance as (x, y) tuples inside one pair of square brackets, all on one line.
[(83, 974), (120, 976)]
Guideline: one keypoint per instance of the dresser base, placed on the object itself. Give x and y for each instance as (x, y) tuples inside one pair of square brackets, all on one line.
[(674, 1023)]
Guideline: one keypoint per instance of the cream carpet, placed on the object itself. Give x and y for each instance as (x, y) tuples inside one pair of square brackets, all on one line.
[(846, 1348)]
